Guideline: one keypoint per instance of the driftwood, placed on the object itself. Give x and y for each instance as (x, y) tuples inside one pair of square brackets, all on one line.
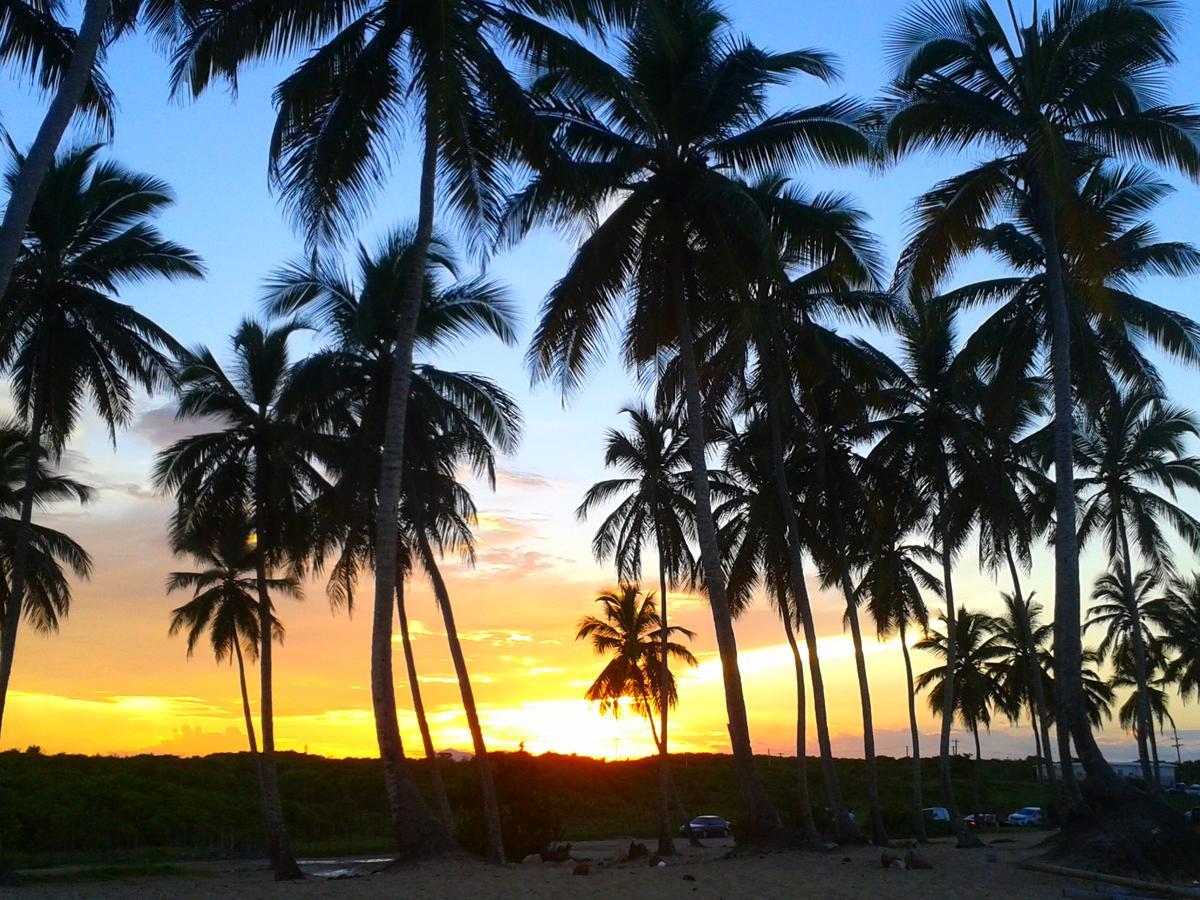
[(1153, 887)]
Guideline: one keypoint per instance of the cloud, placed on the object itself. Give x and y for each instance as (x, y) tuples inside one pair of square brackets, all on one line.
[(159, 427), (476, 678), (496, 637), (518, 479), (195, 741), (514, 562)]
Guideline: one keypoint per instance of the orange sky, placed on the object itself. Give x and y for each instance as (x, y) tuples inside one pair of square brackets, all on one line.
[(114, 682)]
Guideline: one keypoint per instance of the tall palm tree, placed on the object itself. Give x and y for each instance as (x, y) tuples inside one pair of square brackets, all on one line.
[(1177, 613), (629, 632), (1120, 608), (656, 507), (263, 458), (66, 342), (655, 142), (50, 553), (362, 317), (976, 690), (1076, 84), (1022, 637), (375, 65), (890, 585), (224, 601)]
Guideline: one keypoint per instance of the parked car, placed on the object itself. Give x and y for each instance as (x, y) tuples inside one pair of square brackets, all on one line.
[(936, 813), (981, 820), (1026, 816), (708, 826), (1177, 788), (1193, 790), (1193, 815)]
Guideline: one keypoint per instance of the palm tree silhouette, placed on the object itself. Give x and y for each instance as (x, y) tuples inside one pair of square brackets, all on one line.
[(66, 342), (224, 602), (1074, 85)]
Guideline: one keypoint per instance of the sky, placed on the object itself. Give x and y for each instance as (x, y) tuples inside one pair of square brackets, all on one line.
[(113, 681)]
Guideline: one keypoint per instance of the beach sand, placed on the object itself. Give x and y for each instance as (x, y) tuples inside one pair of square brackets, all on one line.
[(854, 874)]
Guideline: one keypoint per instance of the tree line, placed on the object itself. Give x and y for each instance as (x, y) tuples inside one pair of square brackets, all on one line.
[(645, 130)]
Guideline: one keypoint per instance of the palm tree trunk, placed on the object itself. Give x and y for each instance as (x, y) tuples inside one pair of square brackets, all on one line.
[(279, 849), (1037, 688), (845, 830), (45, 144), (878, 832), (16, 595), (1145, 721), (761, 817), (491, 806), (414, 685), (976, 775), (666, 846), (237, 650), (915, 734), (807, 821), (1068, 639), (964, 838), (419, 833)]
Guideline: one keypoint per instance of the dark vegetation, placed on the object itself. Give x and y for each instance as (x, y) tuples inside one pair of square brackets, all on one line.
[(64, 809)]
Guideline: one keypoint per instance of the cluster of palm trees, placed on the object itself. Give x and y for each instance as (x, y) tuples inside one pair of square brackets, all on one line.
[(646, 132)]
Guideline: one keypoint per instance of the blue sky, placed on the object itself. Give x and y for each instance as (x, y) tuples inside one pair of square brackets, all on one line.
[(213, 152)]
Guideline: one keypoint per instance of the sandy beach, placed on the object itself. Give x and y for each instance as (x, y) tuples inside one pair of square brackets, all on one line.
[(853, 874)]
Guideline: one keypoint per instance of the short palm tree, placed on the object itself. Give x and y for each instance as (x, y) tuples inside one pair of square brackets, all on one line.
[(656, 507), (50, 554), (263, 457), (649, 153), (1078, 83), (224, 602), (66, 342), (976, 691), (1177, 614), (362, 316), (628, 631)]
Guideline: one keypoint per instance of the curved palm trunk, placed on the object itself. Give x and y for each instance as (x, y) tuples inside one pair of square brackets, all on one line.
[(14, 605), (666, 846), (761, 817), (844, 828), (49, 135), (1037, 689), (807, 822), (1068, 640), (279, 848), (915, 734), (878, 832), (419, 833), (491, 806), (237, 650), (435, 769), (977, 774)]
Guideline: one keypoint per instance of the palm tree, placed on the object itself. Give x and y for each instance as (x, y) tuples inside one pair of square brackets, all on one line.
[(656, 506), (976, 691), (354, 375), (1022, 638), (890, 585), (656, 142), (264, 458), (337, 116), (929, 440), (1077, 84), (1177, 613), (50, 553), (66, 342), (224, 601), (1119, 607), (629, 632)]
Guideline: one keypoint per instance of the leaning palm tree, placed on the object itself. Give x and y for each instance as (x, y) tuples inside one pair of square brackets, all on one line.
[(655, 494), (629, 632), (1120, 608), (649, 150), (1076, 84), (377, 65), (224, 602), (362, 316), (891, 585), (976, 691), (264, 458), (66, 342), (50, 554)]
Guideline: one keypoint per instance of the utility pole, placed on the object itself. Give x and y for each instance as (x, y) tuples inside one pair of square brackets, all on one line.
[(1177, 745)]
